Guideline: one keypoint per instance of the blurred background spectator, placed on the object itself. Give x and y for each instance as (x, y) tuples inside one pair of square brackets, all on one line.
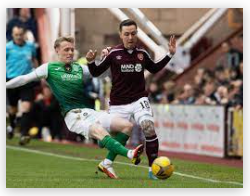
[(47, 116), (230, 57), (154, 92), (24, 18)]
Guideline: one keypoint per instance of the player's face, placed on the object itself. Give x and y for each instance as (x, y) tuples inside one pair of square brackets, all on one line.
[(65, 52), (18, 35), (128, 35)]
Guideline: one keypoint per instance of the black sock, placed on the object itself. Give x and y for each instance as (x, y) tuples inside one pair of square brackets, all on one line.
[(12, 118), (26, 120), (152, 148)]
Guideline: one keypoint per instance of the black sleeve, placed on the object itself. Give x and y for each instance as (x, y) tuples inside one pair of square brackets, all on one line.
[(97, 70), (154, 67)]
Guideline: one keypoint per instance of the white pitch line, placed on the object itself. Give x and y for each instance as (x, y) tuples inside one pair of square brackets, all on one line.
[(121, 163)]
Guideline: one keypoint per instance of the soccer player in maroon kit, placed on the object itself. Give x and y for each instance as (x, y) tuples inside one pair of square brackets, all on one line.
[(129, 97)]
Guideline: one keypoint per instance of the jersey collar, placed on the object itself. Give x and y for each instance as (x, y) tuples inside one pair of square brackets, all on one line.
[(129, 51)]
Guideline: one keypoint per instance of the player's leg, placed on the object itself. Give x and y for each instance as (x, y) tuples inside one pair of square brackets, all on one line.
[(12, 96), (124, 129), (121, 131), (27, 97), (121, 128), (87, 123), (152, 143), (25, 122), (12, 119), (96, 131), (90, 123), (144, 117)]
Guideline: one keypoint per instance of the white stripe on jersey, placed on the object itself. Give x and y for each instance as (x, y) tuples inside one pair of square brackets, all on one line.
[(150, 56), (112, 50)]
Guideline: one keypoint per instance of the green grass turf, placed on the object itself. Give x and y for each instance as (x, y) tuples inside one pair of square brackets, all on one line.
[(27, 170)]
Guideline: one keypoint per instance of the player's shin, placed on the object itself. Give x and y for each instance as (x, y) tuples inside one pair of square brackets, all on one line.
[(122, 138), (152, 148), (25, 126), (26, 120), (114, 146), (12, 118)]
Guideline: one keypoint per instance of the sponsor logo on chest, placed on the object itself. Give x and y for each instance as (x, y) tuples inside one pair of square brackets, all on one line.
[(131, 68), (119, 57), (71, 77)]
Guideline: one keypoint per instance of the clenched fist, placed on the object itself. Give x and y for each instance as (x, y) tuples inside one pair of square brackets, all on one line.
[(90, 56)]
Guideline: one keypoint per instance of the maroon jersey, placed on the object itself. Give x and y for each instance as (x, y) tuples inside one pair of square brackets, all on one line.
[(127, 70)]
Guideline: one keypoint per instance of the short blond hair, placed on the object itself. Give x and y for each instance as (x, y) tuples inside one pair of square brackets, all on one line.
[(62, 39)]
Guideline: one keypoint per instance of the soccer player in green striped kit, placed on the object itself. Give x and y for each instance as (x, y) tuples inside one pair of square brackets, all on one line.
[(66, 79)]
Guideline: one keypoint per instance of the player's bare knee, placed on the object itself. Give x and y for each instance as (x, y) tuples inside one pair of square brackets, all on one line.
[(96, 131), (148, 128)]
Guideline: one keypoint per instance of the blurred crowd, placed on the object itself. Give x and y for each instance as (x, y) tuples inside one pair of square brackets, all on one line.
[(220, 85)]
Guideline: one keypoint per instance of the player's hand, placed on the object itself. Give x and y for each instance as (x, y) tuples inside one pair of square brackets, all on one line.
[(90, 56), (172, 45), (105, 52)]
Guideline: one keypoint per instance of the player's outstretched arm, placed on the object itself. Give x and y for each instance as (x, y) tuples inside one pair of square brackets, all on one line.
[(21, 80), (40, 72), (154, 67), (97, 70)]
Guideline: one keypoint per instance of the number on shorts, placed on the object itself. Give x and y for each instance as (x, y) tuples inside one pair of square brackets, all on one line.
[(145, 104)]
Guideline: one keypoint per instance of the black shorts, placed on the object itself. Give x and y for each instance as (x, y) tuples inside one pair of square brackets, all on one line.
[(24, 93)]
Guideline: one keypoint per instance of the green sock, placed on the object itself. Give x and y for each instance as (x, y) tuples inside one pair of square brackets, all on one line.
[(122, 138), (114, 146), (100, 144)]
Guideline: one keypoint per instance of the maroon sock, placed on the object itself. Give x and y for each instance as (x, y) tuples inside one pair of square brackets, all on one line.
[(152, 148)]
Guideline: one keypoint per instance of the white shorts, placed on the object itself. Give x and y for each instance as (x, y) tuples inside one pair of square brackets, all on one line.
[(79, 120), (139, 110)]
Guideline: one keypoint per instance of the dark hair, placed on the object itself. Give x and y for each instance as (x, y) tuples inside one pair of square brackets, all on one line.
[(127, 22), (198, 92), (19, 26)]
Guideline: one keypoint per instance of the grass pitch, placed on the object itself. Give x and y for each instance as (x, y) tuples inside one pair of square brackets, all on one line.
[(51, 165)]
